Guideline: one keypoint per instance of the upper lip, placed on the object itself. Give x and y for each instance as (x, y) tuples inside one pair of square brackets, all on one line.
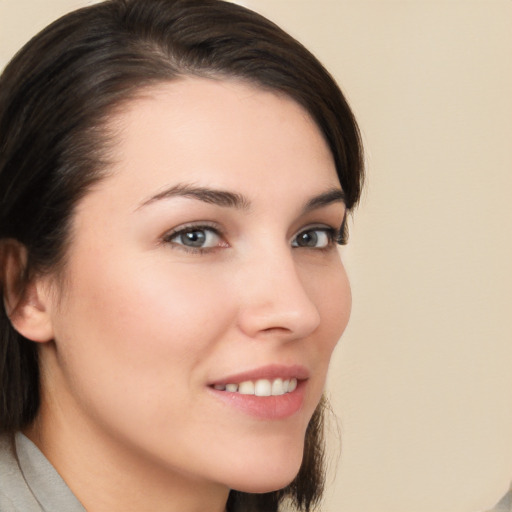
[(269, 372)]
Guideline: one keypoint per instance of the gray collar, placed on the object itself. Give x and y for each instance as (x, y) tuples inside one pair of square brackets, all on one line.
[(47, 486)]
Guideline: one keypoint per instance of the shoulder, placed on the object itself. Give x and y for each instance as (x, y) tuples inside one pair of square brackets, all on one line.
[(15, 496)]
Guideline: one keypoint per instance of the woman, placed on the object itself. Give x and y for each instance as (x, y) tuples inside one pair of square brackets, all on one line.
[(174, 179)]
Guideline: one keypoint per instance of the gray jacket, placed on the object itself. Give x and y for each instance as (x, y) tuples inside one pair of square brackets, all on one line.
[(28, 482)]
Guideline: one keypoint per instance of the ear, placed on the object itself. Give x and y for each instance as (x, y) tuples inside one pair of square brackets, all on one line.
[(26, 299)]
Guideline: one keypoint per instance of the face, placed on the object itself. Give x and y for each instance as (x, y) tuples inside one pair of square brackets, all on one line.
[(202, 273)]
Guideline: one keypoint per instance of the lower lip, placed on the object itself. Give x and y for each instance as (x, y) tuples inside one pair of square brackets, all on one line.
[(265, 407)]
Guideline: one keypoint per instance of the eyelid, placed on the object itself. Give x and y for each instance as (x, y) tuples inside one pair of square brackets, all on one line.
[(335, 234), (339, 232), (189, 226), (167, 237)]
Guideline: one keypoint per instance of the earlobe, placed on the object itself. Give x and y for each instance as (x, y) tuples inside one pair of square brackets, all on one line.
[(26, 301)]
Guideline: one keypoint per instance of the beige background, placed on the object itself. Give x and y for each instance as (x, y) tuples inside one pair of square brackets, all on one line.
[(422, 381)]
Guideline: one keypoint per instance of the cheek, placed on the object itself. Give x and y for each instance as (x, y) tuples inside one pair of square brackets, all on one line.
[(328, 288), (158, 300), (137, 331), (330, 291), (339, 308)]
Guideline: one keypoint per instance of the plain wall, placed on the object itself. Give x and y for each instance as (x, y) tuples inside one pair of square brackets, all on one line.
[(422, 380)]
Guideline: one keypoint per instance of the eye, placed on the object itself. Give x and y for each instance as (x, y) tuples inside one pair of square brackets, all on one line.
[(195, 238), (315, 238)]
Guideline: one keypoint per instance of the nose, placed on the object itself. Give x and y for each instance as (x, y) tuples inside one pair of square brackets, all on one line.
[(274, 299)]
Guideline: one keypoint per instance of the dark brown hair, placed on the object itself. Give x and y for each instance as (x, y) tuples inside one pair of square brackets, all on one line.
[(55, 97)]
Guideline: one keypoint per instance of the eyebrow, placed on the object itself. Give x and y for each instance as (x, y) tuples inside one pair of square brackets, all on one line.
[(334, 195), (227, 199), (207, 195)]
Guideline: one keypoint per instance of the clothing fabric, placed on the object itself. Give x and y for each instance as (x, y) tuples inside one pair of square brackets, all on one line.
[(505, 504), (28, 482)]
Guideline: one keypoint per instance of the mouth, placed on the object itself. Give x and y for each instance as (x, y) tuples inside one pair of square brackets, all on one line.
[(271, 392), (261, 387)]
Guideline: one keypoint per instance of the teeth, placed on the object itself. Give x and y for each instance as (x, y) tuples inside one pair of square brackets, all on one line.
[(261, 387), (246, 388), (277, 387)]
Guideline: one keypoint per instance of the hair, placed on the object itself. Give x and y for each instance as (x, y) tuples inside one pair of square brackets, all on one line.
[(56, 97)]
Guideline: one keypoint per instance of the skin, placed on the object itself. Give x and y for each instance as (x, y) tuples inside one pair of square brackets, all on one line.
[(138, 325)]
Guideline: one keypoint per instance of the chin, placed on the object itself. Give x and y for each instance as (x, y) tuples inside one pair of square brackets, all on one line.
[(267, 476), (266, 486)]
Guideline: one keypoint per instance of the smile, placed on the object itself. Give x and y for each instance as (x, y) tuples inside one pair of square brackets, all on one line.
[(260, 387)]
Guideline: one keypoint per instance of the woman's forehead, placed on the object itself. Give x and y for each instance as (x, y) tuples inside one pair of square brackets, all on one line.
[(220, 133)]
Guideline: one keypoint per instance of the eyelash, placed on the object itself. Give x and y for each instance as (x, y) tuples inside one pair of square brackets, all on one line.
[(188, 228), (338, 236), (334, 235)]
